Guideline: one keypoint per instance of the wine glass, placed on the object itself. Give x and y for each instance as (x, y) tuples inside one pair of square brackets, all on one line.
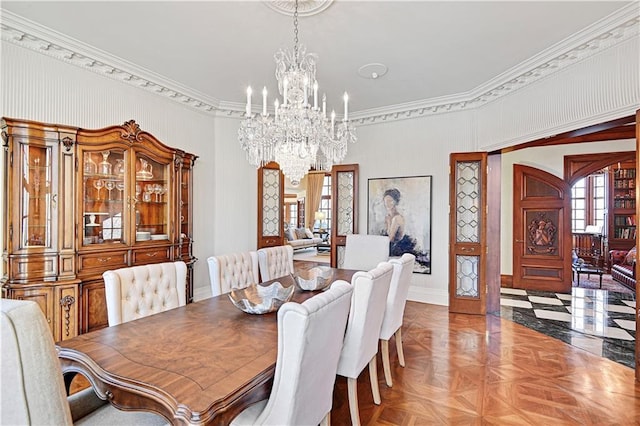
[(110, 185), (163, 190), (120, 188), (157, 188), (148, 189), (98, 184), (138, 190)]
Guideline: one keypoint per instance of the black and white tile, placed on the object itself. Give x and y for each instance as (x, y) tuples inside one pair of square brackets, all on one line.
[(598, 321)]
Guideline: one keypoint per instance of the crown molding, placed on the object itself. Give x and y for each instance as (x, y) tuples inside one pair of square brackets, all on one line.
[(616, 28), (31, 35)]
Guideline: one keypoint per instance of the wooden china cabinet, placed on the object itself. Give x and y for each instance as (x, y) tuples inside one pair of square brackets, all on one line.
[(79, 202)]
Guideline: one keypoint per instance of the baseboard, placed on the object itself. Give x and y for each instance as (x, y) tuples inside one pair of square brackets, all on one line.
[(506, 281), (428, 295)]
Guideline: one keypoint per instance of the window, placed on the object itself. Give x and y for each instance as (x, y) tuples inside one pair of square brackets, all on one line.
[(325, 203), (588, 203)]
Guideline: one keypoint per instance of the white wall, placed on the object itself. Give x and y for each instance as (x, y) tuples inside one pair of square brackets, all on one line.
[(416, 147), (551, 160)]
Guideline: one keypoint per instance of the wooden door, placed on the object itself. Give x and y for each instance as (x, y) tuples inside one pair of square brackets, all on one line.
[(270, 203), (541, 231), (344, 206), (467, 232)]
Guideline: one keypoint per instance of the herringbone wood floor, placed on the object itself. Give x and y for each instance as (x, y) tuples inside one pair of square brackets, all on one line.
[(474, 370)]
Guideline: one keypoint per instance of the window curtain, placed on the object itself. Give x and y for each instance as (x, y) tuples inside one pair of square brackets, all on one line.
[(314, 195)]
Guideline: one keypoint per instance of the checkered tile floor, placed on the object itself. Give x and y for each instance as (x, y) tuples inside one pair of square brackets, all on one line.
[(597, 321)]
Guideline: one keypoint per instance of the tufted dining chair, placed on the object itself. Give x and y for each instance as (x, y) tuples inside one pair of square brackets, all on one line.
[(363, 252), (368, 300), (33, 390), (310, 338), (275, 262), (232, 271), (394, 312), (140, 291)]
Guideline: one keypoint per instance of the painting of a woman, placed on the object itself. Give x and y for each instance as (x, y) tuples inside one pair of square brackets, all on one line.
[(400, 208), (399, 241)]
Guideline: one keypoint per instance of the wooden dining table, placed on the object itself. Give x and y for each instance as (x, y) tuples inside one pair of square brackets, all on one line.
[(200, 364)]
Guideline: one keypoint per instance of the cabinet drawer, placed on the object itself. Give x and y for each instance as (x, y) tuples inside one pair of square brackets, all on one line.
[(33, 267), (97, 262), (151, 255)]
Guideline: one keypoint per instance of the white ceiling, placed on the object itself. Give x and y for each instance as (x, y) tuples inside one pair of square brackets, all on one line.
[(217, 48)]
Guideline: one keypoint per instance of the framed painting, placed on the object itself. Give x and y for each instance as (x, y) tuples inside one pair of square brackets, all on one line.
[(400, 207)]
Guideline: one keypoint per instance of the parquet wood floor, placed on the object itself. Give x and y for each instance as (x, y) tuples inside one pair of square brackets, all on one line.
[(475, 370)]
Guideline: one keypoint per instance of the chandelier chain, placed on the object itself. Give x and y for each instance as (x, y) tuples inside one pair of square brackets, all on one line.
[(295, 32)]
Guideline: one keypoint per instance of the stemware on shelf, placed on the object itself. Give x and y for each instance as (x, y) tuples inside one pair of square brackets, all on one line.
[(120, 188), (163, 190), (110, 185), (98, 184)]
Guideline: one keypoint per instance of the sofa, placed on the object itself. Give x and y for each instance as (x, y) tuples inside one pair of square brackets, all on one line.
[(300, 238), (623, 267)]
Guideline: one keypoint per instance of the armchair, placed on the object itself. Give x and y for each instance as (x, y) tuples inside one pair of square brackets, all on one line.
[(32, 381), (144, 290), (623, 267)]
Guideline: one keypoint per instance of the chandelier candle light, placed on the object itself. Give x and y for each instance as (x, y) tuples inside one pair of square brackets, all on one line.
[(298, 136)]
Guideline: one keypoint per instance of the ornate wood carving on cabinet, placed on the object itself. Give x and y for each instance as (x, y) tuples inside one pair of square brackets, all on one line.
[(79, 202)]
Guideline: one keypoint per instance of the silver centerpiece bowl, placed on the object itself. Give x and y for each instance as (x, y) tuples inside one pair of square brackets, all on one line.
[(262, 299), (317, 278)]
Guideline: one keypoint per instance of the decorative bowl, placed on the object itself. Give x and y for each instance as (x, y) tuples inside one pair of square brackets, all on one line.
[(262, 299), (317, 278)]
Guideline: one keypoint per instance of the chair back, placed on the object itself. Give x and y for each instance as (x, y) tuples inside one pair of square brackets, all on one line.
[(397, 297), (310, 339), (140, 291), (275, 262), (368, 300), (232, 271), (33, 389), (363, 252)]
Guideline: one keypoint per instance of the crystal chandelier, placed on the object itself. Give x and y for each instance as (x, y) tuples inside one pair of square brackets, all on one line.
[(299, 136)]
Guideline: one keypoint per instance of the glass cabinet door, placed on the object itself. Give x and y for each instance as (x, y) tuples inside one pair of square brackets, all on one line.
[(104, 182), (151, 195), (37, 197)]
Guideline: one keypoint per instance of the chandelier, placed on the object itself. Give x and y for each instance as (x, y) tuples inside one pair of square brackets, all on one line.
[(299, 136)]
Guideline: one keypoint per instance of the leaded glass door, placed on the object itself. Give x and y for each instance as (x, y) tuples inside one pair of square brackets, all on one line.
[(344, 197), (467, 247), (270, 202)]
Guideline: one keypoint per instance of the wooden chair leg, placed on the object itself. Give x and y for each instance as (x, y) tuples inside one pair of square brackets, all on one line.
[(384, 348), (399, 346), (352, 386), (373, 375), (327, 420)]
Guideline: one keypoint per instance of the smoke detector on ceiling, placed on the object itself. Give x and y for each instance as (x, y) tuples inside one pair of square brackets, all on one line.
[(372, 71)]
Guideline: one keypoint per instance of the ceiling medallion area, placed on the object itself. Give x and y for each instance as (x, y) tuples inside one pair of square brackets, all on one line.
[(305, 7)]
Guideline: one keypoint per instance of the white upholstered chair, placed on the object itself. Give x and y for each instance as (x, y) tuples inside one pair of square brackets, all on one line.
[(310, 339), (363, 331), (144, 290), (394, 312), (363, 252), (275, 262), (33, 390), (232, 271)]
